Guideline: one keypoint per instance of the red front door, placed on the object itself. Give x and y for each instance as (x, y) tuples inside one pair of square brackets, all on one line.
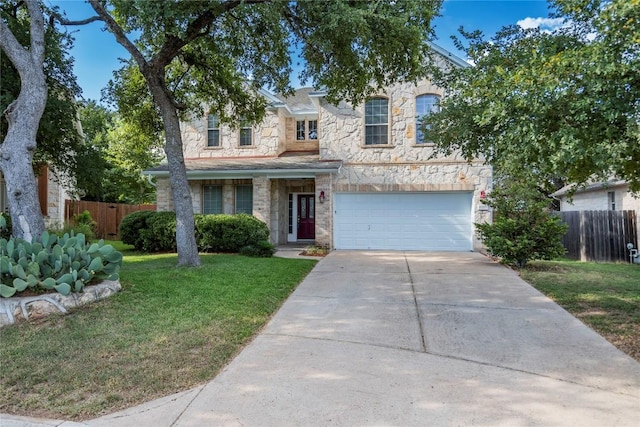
[(306, 216)]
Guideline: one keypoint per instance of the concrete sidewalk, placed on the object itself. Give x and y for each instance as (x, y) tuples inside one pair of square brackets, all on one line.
[(410, 339)]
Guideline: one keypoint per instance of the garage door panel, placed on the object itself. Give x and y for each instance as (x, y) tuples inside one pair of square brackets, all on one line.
[(409, 221)]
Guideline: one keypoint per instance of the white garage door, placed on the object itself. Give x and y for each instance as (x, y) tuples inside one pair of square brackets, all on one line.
[(403, 221)]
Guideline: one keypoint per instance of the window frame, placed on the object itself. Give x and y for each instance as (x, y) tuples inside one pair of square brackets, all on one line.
[(210, 129), (379, 136), (219, 203), (306, 130), (245, 129), (238, 199), (434, 107), (611, 200)]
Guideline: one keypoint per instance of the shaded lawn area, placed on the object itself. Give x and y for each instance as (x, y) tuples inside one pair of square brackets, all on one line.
[(168, 330), (605, 296)]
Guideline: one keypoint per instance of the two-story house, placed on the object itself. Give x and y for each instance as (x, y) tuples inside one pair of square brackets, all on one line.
[(342, 176)]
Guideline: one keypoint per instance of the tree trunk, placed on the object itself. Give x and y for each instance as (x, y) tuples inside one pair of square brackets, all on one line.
[(23, 117), (183, 204)]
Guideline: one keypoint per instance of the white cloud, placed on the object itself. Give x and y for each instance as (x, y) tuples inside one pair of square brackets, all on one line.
[(545, 24)]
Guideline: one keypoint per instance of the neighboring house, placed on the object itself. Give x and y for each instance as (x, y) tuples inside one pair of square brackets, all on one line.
[(52, 197), (345, 177), (611, 195)]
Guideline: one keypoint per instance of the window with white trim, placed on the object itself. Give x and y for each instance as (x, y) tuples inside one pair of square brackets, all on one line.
[(213, 131), (376, 121), (425, 105), (246, 134), (244, 199), (306, 130), (212, 199), (611, 197)]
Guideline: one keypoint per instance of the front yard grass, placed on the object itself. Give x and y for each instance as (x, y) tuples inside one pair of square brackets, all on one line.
[(605, 296), (169, 329)]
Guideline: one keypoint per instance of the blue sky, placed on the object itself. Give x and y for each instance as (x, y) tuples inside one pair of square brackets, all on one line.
[(96, 52)]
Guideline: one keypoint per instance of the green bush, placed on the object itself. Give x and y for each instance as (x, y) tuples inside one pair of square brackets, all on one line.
[(523, 228), (131, 227), (5, 226), (83, 223), (262, 249), (229, 233), (156, 232), (66, 264), (160, 235)]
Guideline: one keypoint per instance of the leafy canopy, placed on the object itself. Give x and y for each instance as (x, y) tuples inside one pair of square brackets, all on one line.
[(120, 151), (561, 104), (349, 48)]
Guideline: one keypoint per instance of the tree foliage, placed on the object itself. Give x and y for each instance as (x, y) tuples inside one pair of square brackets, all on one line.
[(120, 151), (217, 55), (523, 228), (562, 104)]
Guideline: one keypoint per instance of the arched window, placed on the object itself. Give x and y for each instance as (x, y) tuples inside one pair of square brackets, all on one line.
[(376, 121), (425, 105)]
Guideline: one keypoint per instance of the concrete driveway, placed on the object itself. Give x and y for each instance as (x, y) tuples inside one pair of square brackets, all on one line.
[(412, 339)]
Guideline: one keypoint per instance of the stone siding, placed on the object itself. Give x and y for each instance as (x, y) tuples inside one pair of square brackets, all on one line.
[(402, 165), (266, 140)]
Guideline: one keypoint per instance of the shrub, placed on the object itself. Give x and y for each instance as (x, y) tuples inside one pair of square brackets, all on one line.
[(83, 223), (156, 232), (229, 233), (262, 249), (523, 228), (5, 226), (65, 264), (160, 234), (131, 227)]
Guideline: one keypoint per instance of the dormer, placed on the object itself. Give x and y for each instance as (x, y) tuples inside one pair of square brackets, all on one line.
[(301, 120)]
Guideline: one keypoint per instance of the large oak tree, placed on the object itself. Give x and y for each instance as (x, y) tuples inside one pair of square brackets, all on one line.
[(219, 53)]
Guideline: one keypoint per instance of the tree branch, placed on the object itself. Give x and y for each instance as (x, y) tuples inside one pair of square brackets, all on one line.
[(19, 55), (64, 21), (119, 34)]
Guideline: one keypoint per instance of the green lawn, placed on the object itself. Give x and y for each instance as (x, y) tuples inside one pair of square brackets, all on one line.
[(605, 296), (168, 330)]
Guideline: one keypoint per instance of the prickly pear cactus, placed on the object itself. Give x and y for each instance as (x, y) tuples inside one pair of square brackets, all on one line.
[(66, 264)]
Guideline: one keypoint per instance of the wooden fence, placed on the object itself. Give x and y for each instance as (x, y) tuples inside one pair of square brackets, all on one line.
[(108, 216), (599, 235)]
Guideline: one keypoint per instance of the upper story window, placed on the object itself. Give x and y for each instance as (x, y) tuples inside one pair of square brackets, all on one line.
[(425, 105), (213, 131), (306, 130), (246, 134), (376, 121)]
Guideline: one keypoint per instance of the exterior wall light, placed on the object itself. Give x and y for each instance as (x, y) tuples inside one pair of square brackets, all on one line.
[(322, 197)]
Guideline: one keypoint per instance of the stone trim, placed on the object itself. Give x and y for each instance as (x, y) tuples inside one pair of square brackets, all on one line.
[(16, 309), (394, 188), (416, 163)]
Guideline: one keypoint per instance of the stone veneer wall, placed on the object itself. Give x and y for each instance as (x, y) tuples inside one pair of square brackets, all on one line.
[(324, 211), (401, 165), (266, 139)]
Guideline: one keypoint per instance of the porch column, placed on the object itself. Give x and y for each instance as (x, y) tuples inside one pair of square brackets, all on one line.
[(324, 228), (262, 199)]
